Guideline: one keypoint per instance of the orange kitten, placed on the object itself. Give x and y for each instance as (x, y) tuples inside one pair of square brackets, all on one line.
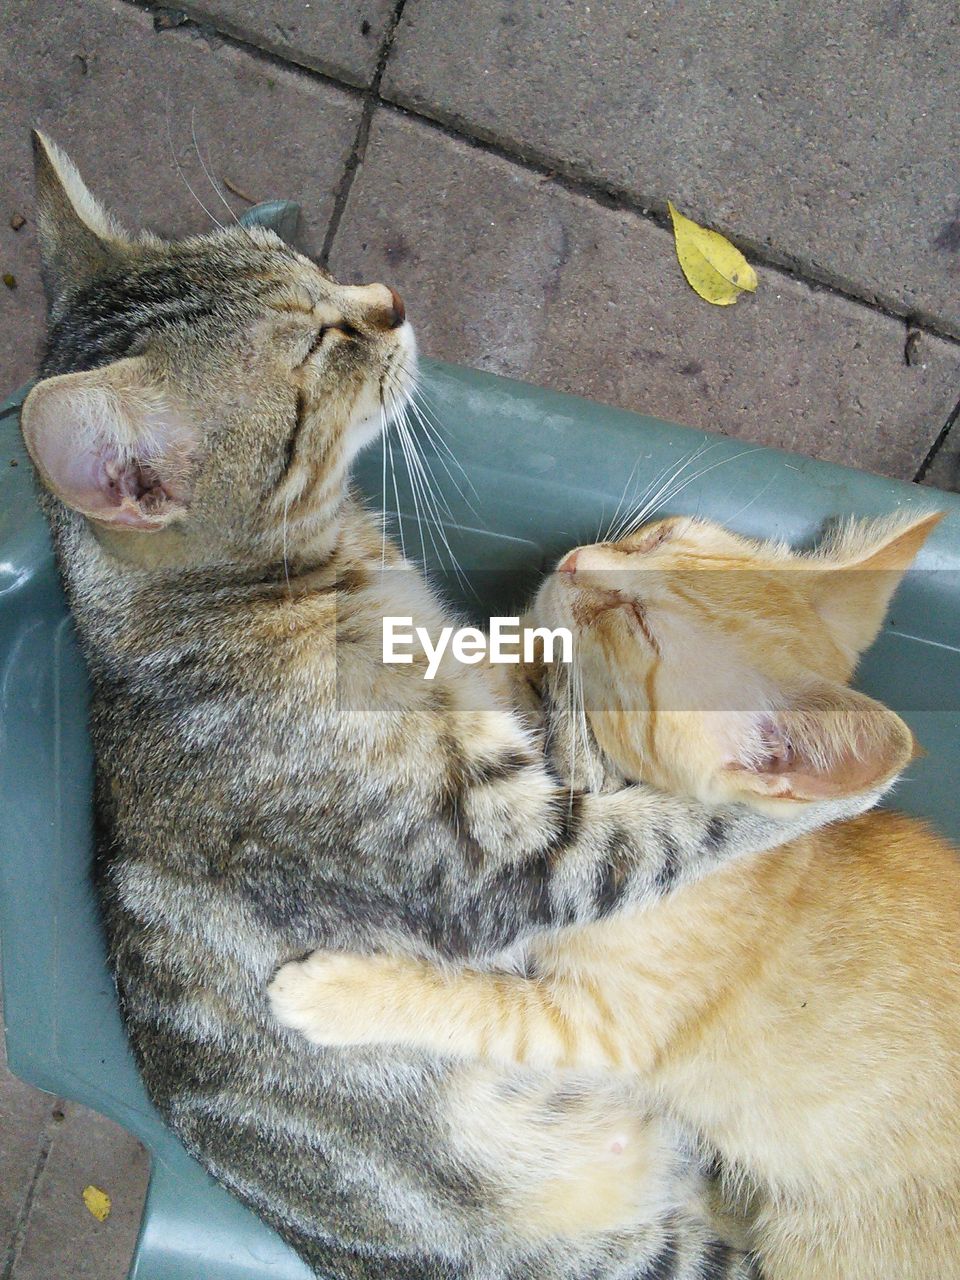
[(799, 1011)]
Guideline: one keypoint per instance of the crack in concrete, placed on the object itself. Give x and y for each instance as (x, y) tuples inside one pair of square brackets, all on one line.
[(19, 1233), (371, 101), (173, 22), (939, 442)]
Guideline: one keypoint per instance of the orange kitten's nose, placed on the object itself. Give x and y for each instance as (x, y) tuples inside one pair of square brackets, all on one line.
[(569, 563)]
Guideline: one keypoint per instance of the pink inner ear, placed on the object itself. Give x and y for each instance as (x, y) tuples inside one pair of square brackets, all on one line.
[(779, 755), (830, 741), (134, 480), (99, 484)]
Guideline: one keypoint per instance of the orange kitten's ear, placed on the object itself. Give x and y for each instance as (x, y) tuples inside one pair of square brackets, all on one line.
[(78, 238), (864, 565), (110, 446), (826, 741)]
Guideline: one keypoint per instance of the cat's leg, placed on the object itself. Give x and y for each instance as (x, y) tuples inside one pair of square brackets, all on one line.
[(574, 1015), (345, 998), (337, 998)]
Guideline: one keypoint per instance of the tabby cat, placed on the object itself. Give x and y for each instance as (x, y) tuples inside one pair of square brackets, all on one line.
[(798, 1011), (265, 786)]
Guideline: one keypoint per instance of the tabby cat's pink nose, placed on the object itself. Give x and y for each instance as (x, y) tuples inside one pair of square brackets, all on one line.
[(399, 310), (569, 563)]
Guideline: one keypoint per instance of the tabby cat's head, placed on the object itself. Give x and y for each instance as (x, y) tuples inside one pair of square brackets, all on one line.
[(716, 666), (208, 393)]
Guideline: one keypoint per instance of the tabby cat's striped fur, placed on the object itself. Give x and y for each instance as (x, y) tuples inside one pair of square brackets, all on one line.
[(800, 1010), (266, 786)]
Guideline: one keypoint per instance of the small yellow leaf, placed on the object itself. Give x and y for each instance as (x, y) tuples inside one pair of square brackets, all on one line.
[(98, 1202), (714, 268)]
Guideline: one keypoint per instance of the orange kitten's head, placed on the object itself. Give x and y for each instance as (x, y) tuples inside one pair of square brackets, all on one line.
[(716, 666)]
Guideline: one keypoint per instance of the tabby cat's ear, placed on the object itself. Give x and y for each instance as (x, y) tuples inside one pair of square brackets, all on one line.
[(865, 563), (78, 238), (110, 445), (824, 742)]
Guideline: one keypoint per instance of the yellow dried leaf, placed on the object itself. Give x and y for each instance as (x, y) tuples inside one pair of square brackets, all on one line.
[(98, 1202), (714, 268)]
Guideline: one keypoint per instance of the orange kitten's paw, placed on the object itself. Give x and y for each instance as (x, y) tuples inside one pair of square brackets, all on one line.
[(335, 999)]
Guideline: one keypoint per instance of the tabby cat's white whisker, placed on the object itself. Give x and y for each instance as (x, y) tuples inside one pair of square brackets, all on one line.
[(431, 419), (437, 440), (241, 225), (206, 169), (183, 177), (427, 494), (383, 487), (439, 496), (396, 495), (419, 489), (419, 478), (433, 426), (412, 476), (434, 432)]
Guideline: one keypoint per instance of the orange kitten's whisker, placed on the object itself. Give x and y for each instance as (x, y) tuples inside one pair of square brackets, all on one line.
[(706, 471), (603, 537), (747, 505), (629, 513), (674, 493), (649, 503)]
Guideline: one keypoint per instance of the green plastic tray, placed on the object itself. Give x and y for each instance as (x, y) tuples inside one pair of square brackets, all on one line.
[(548, 470)]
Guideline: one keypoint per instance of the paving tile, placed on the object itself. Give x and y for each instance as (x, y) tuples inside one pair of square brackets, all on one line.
[(114, 93), (339, 37), (827, 135), (63, 1239), (508, 272)]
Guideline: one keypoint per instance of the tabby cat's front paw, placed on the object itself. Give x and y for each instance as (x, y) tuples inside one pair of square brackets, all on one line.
[(334, 999)]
